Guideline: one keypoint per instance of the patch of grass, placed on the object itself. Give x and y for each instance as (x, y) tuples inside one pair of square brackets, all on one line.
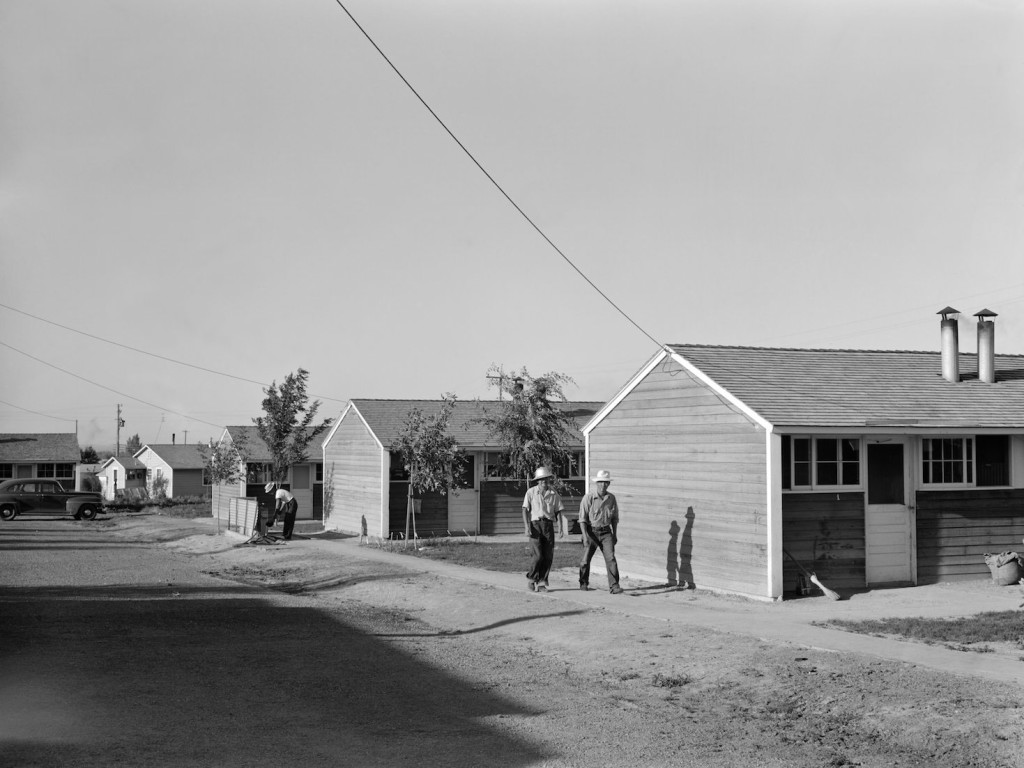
[(990, 627), (670, 681), (506, 557), (187, 507)]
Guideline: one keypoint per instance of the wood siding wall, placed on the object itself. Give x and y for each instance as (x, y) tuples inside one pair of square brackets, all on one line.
[(352, 469), (221, 499), (956, 529), (825, 533), (501, 506), (187, 482), (689, 472), (432, 519)]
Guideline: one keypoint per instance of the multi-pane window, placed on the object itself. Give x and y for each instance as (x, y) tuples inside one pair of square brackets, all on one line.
[(6, 471), (820, 462), (574, 466), (319, 477), (494, 464), (947, 460), (258, 473), (57, 471), (981, 461), (398, 473)]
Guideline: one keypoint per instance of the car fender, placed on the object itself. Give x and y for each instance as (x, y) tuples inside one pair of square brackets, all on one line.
[(73, 505)]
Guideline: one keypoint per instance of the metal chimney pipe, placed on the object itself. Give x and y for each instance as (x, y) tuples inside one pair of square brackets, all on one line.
[(949, 329), (986, 346), (173, 441)]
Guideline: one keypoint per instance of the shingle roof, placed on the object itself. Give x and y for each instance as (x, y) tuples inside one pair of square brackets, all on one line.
[(387, 418), (39, 446), (821, 387), (128, 462), (177, 456), (256, 451)]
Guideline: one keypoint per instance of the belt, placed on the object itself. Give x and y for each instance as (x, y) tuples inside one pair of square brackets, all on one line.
[(602, 528)]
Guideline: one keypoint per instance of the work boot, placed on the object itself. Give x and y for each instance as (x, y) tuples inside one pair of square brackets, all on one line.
[(616, 590)]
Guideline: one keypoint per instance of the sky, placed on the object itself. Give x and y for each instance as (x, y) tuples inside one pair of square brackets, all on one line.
[(198, 198)]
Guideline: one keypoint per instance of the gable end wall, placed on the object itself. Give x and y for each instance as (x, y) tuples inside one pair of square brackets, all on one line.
[(352, 476), (689, 471)]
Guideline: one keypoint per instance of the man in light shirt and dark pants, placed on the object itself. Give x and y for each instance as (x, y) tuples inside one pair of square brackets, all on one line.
[(599, 522), (541, 508)]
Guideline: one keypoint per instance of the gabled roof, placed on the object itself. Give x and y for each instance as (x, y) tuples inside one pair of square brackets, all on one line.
[(256, 451), (386, 418), (176, 456), (128, 462), (40, 446), (839, 388)]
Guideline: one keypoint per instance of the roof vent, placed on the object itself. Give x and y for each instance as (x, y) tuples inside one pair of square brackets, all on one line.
[(986, 346), (950, 331)]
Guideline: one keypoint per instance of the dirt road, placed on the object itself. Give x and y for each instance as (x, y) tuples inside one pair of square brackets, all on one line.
[(150, 642)]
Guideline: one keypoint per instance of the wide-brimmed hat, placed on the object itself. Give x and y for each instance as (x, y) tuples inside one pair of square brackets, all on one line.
[(603, 476), (268, 487), (542, 472)]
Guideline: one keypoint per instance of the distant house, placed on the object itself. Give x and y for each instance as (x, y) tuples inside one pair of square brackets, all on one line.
[(40, 454), (305, 480), (121, 475), (868, 467), (368, 486), (181, 465)]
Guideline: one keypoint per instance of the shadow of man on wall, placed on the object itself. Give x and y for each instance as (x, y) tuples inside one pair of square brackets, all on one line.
[(680, 550)]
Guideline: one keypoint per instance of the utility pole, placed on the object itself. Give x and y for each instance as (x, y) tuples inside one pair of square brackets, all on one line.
[(120, 423), (186, 436), (501, 382)]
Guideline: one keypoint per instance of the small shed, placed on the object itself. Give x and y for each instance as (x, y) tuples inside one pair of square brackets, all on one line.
[(181, 465), (368, 488), (122, 475), (870, 468)]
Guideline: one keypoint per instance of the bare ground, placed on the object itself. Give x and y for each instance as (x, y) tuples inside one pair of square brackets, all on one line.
[(293, 655)]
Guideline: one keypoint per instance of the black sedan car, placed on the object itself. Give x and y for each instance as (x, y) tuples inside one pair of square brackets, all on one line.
[(40, 496)]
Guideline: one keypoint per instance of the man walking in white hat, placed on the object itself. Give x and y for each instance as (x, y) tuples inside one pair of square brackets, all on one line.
[(541, 507), (599, 522)]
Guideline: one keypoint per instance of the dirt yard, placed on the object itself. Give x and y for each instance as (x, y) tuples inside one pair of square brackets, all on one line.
[(293, 655)]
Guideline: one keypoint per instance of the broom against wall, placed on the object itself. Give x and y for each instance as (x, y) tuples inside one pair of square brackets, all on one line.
[(830, 594)]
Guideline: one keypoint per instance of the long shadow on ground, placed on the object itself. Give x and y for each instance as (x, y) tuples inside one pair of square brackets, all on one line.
[(91, 679)]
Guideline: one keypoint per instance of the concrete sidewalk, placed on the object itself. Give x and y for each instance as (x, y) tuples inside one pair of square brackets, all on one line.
[(791, 621)]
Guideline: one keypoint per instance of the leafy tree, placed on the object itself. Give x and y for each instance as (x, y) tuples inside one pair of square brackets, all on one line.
[(287, 424), (133, 445), (432, 457), (222, 462), (89, 455), (528, 426)]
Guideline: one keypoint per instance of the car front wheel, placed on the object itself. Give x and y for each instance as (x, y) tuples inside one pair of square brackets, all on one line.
[(8, 512), (86, 512)]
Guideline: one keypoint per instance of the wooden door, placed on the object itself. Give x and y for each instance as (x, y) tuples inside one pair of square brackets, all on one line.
[(464, 504), (888, 524)]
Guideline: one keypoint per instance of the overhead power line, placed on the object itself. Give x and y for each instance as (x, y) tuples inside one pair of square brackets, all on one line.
[(110, 389), (37, 413), (151, 354), (493, 181)]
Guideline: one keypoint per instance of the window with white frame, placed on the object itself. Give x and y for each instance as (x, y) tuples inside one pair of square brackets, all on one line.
[(258, 473), (820, 462), (574, 466), (975, 461), (56, 471), (319, 476)]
